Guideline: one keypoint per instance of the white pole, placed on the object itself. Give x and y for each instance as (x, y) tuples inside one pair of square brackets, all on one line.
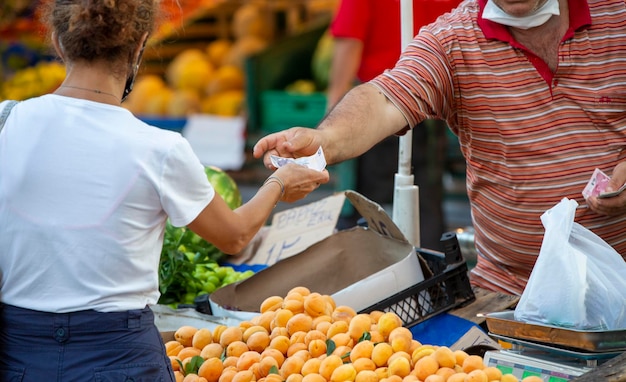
[(406, 194)]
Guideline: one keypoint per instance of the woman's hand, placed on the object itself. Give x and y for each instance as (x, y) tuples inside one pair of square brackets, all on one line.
[(299, 181)]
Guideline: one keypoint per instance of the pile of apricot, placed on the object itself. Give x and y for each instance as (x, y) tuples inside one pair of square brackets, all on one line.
[(305, 337)]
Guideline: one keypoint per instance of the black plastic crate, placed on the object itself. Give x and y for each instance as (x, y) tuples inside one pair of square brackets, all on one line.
[(445, 286)]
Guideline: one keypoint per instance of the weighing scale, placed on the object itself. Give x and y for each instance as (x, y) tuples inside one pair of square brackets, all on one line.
[(553, 353)]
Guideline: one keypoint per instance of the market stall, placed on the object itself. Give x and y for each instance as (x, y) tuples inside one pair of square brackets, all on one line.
[(307, 301)]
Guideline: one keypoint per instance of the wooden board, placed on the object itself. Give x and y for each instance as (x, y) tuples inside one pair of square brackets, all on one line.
[(486, 302)]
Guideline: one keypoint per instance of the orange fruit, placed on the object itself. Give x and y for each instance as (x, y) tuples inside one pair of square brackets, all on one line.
[(184, 334), (211, 369), (201, 338)]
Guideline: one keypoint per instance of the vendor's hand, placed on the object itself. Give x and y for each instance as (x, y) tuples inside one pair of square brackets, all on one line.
[(292, 143), (615, 205), (299, 181)]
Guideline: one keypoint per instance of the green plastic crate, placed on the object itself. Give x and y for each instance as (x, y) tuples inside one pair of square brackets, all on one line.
[(282, 110)]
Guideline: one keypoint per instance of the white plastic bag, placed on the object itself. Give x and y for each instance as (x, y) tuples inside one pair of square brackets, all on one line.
[(578, 281)]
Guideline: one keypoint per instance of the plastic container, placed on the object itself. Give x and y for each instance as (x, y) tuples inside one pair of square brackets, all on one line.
[(282, 110), (446, 288)]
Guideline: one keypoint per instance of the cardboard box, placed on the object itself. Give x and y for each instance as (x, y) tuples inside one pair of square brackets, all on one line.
[(358, 267)]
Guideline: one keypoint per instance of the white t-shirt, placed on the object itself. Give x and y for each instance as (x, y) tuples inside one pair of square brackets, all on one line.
[(85, 191)]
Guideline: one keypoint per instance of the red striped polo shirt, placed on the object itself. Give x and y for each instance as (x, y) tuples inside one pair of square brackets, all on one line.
[(530, 137)]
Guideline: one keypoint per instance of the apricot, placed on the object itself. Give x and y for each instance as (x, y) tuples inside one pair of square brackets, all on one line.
[(302, 290), (381, 353), (295, 305), (342, 339), (445, 372), (460, 356), (314, 334), (274, 378), (191, 378), (201, 338), (187, 352), (217, 332), (316, 305), (236, 349), (311, 366), (274, 353), (472, 362), (304, 354), (247, 359), (271, 303), (376, 337), (337, 327), (317, 347), (231, 361), (266, 363), (375, 315), (477, 376), (258, 341), (331, 301), (294, 378), (400, 339), (298, 337), (212, 350), (509, 378), (359, 324), (343, 352), (426, 366), (343, 313), (313, 377), (400, 366), (265, 320), (229, 335), (243, 376), (322, 326), (227, 374), (362, 349), (211, 369), (329, 364), (292, 365), (434, 378), (184, 334), (445, 357), (493, 373), (412, 378), (299, 322), (278, 331), (179, 376), (363, 364), (296, 347), (382, 372), (174, 361), (173, 347), (387, 322), (366, 376), (399, 354), (343, 373), (280, 343), (458, 377), (281, 318)]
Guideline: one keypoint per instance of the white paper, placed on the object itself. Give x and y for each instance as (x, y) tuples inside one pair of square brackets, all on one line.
[(217, 141), (316, 161)]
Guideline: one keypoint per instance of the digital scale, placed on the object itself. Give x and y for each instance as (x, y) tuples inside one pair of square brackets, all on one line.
[(555, 354)]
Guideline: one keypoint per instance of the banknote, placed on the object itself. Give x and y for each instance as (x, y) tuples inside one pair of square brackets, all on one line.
[(597, 184), (316, 161)]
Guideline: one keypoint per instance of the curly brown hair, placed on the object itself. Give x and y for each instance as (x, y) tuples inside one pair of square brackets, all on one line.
[(93, 30)]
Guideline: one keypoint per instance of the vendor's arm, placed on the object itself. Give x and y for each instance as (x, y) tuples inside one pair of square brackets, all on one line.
[(231, 231), (347, 54), (361, 119), (617, 204)]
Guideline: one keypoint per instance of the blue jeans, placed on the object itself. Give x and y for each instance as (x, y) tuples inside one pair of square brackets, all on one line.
[(81, 346)]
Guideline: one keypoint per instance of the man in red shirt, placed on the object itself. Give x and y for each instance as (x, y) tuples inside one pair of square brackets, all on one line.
[(367, 41)]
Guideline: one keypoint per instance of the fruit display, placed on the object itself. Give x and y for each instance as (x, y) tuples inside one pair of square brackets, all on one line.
[(189, 265), (305, 337), (33, 81), (209, 80)]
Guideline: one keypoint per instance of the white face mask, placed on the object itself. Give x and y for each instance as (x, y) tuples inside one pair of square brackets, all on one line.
[(536, 18)]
